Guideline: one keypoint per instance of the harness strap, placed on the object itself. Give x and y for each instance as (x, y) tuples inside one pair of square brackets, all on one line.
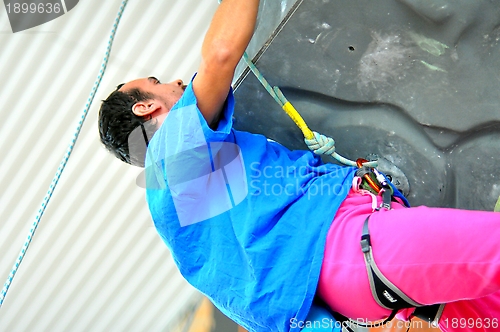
[(388, 295), (356, 186), (430, 313), (384, 292)]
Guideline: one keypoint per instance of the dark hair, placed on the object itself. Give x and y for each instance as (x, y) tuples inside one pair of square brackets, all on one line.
[(117, 122)]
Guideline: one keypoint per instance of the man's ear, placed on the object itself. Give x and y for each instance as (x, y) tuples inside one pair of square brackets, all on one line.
[(148, 107)]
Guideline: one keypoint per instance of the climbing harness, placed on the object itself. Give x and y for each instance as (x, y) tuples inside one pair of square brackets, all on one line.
[(64, 161), (371, 182)]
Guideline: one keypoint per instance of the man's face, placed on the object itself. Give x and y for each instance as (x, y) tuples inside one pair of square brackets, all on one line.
[(167, 93)]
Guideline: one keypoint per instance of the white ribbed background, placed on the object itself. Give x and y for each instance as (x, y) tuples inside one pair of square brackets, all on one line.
[(96, 262)]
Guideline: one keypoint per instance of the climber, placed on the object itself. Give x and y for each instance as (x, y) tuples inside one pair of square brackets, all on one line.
[(262, 230)]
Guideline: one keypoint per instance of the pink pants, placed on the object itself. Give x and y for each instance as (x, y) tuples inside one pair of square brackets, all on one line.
[(433, 255)]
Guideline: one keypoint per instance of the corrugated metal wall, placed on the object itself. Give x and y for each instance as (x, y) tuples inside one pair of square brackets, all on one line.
[(96, 262)]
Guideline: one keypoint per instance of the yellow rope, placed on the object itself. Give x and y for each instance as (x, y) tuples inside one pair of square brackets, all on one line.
[(309, 136), (299, 121)]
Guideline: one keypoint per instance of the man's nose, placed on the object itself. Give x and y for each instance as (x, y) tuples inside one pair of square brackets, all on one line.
[(177, 82)]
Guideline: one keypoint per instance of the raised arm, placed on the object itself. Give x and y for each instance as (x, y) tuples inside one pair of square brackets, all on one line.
[(227, 38)]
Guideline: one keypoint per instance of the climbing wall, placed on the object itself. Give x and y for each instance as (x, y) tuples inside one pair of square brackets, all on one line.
[(414, 83)]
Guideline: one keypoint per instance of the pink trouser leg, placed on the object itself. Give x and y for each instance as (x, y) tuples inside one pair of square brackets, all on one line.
[(480, 314), (433, 255)]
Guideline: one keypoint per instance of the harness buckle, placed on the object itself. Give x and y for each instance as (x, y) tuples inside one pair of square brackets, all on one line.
[(386, 198), (365, 237), (365, 244)]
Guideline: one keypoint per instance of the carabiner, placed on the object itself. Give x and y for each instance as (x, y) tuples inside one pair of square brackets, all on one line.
[(369, 180)]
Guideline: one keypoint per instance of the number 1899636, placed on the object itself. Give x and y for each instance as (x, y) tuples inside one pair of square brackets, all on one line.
[(33, 8), (470, 323)]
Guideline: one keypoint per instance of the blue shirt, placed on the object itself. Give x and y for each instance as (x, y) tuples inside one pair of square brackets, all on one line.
[(245, 218)]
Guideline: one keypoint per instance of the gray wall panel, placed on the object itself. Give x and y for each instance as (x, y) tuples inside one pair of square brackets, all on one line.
[(415, 83)]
